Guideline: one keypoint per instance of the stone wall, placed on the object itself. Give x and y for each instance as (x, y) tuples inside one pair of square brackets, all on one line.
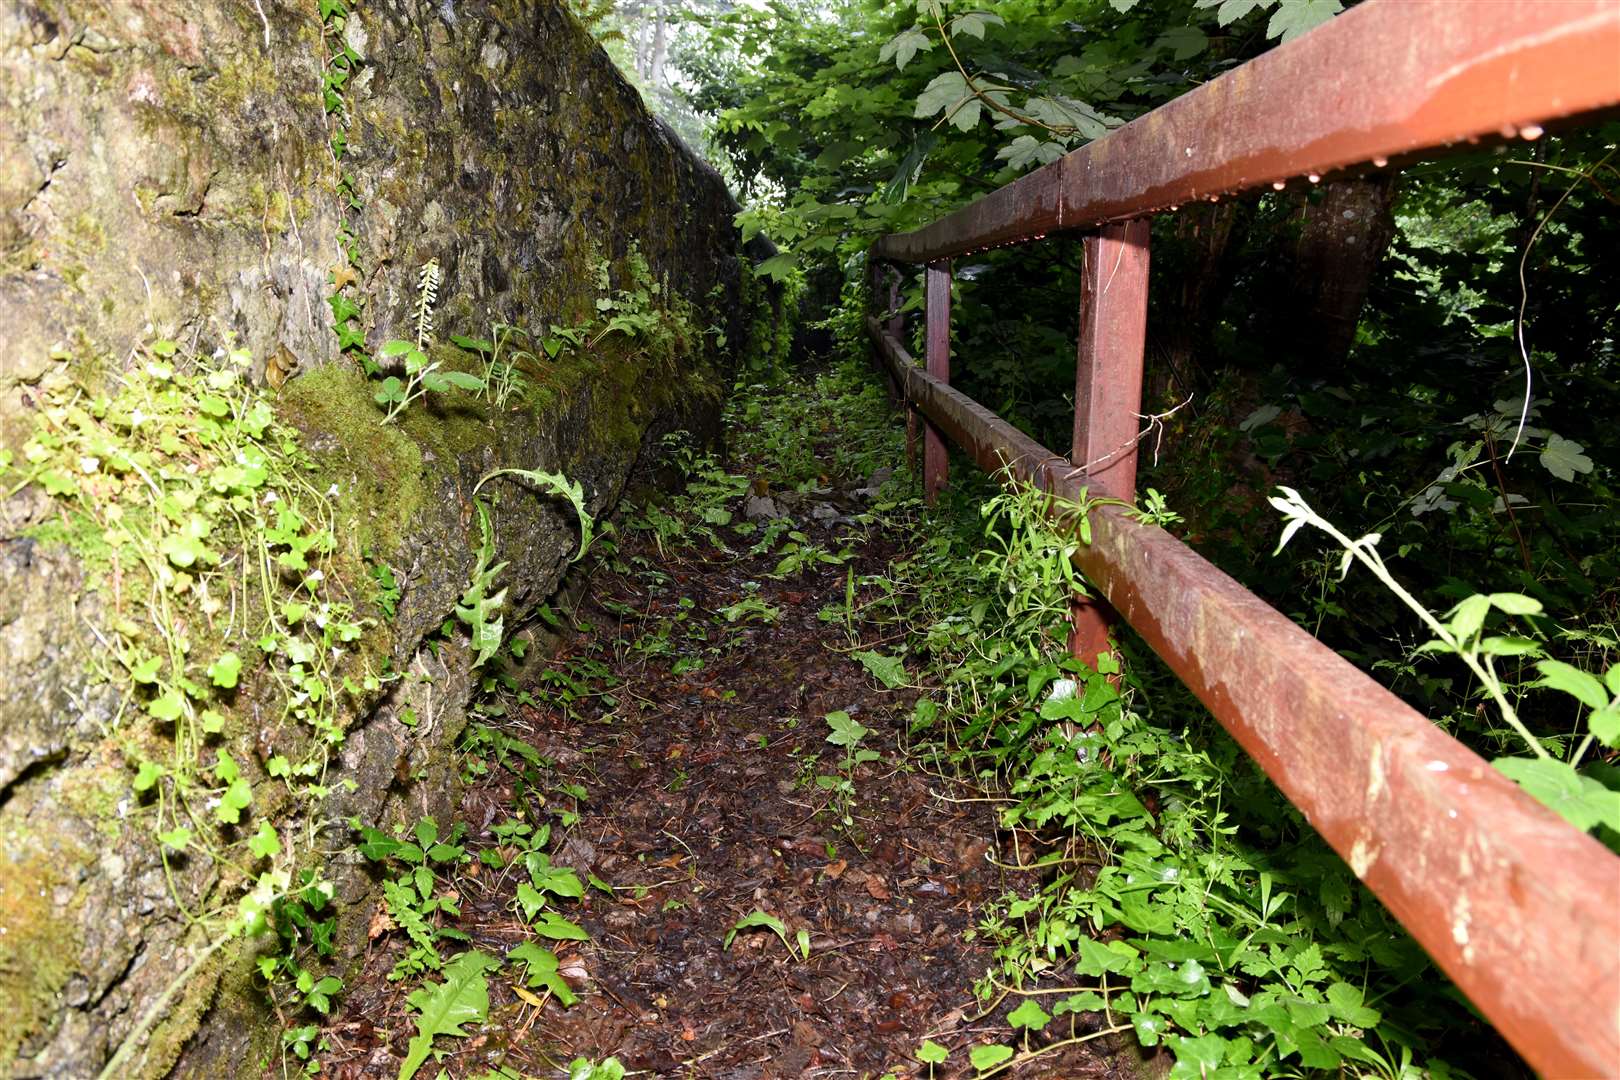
[(167, 171)]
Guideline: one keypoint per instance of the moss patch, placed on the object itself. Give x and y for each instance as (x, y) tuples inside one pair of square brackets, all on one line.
[(38, 939)]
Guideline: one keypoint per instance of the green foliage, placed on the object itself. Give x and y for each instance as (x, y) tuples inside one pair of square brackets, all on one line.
[(421, 377), (413, 895), (1582, 800), (195, 515), (443, 1008), (763, 920)]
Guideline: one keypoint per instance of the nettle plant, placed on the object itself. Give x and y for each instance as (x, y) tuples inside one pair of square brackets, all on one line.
[(196, 518)]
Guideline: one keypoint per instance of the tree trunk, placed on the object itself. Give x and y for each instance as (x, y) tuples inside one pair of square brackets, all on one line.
[(1342, 239), (1199, 246), (660, 48)]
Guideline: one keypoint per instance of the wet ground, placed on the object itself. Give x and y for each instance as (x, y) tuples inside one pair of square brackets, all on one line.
[(689, 700)]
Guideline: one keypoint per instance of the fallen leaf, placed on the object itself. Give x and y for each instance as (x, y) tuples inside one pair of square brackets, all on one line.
[(527, 996), (836, 870), (875, 887), (381, 923)]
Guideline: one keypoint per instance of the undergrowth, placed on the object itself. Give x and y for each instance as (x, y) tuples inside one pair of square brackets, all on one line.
[(1170, 890)]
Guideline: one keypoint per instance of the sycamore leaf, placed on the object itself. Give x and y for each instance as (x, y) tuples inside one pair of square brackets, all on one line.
[(1564, 458), (906, 44), (845, 732), (1232, 10), (1579, 800), (974, 23), (463, 998), (1184, 42), (1293, 17), (778, 266), (945, 90), (1027, 151)]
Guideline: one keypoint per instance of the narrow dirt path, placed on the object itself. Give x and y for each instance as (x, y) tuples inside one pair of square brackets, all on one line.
[(706, 809), (682, 752)]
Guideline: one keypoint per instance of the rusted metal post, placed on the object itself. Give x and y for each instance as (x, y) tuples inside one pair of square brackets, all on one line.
[(938, 293), (1108, 390)]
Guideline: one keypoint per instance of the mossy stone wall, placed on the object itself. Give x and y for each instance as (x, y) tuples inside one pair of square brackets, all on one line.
[(165, 171)]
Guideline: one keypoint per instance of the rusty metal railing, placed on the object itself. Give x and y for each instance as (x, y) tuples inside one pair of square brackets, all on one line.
[(1521, 910)]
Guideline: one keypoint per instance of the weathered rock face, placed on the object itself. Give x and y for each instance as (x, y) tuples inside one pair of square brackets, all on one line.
[(167, 170)]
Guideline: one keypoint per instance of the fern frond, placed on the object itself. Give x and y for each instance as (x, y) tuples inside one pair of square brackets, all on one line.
[(427, 294)]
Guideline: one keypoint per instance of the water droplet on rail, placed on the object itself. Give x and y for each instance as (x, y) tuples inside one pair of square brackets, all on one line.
[(1278, 185), (1530, 132), (1214, 198), (1507, 131), (1380, 162), (1174, 208), (1314, 178)]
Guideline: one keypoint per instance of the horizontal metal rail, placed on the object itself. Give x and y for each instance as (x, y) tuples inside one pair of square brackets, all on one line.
[(1378, 83), (1518, 908)]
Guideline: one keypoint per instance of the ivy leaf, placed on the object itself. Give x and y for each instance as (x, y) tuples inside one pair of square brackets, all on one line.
[(540, 969), (175, 838), (931, 1053), (463, 998), (377, 845), (1029, 1015), (985, 1058), (225, 670), (265, 843), (1564, 458), (904, 45), (237, 797), (1579, 800), (557, 928), (1293, 17)]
